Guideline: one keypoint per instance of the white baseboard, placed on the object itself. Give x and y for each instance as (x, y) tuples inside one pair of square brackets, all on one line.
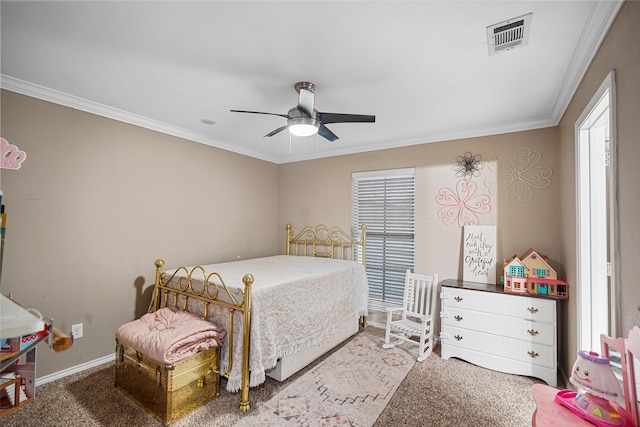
[(375, 324), (74, 369)]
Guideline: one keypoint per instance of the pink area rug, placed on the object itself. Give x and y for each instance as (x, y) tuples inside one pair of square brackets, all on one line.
[(350, 388)]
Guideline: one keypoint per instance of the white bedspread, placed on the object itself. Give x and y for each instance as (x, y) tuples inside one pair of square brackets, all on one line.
[(298, 301)]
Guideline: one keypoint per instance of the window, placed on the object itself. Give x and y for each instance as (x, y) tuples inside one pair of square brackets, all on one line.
[(385, 202), (541, 272), (596, 243), (516, 271)]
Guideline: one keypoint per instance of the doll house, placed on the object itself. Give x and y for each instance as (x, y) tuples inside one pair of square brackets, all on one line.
[(531, 274), (514, 276)]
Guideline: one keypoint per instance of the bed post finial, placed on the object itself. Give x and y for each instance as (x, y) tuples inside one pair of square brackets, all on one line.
[(248, 279), (288, 252)]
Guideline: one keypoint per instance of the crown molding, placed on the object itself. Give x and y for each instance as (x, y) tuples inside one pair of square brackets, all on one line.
[(60, 98), (40, 92), (595, 30)]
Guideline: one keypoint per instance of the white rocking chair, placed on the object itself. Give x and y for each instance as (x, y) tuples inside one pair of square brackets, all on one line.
[(415, 317)]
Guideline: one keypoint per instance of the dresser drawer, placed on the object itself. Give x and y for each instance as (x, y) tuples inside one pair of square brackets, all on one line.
[(512, 327), (510, 348), (541, 310)]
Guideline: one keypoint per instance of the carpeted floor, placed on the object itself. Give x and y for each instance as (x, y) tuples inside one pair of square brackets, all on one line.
[(434, 393), (454, 393)]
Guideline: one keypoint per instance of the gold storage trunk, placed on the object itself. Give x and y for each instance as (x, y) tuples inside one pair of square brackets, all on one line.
[(168, 392)]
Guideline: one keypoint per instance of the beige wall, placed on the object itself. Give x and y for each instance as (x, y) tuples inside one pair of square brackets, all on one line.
[(320, 191), (618, 52), (97, 201)]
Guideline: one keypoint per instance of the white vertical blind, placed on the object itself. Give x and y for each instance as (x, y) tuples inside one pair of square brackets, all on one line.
[(385, 202)]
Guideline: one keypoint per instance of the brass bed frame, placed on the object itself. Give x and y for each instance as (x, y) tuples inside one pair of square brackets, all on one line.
[(208, 289)]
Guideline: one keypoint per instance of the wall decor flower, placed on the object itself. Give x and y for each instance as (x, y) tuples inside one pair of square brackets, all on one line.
[(463, 205), (518, 176), (468, 166), (11, 157)]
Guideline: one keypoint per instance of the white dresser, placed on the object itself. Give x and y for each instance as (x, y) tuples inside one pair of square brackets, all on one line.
[(496, 330)]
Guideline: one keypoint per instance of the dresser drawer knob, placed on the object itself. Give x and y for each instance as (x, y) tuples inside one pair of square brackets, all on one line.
[(532, 310), (533, 354), (458, 299), (458, 337), (532, 332), (458, 318)]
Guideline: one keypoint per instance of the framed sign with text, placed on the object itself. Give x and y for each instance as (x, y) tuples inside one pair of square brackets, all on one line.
[(479, 254)]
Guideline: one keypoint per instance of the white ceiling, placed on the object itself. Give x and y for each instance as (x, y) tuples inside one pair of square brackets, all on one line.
[(422, 67)]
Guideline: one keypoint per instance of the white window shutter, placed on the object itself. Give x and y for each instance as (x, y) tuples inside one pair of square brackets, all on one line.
[(385, 202)]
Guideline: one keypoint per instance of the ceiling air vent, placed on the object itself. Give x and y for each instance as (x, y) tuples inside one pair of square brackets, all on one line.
[(509, 34)]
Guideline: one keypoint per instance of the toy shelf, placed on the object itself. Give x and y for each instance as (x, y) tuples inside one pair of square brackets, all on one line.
[(12, 394), (21, 331)]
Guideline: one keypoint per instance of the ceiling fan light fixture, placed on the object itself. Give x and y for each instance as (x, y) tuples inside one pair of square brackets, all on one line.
[(303, 126)]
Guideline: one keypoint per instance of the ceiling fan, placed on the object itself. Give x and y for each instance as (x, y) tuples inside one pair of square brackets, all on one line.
[(304, 120)]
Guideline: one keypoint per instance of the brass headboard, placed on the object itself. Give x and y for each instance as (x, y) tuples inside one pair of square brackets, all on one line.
[(322, 241)]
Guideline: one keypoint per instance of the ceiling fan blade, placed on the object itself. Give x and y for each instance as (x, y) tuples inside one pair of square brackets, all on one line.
[(273, 132), (260, 112), (326, 133), (346, 118)]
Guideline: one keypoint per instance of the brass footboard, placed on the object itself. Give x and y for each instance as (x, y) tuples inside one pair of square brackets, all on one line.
[(194, 285)]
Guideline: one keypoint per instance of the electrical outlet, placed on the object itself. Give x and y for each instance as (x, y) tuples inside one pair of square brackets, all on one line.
[(76, 331)]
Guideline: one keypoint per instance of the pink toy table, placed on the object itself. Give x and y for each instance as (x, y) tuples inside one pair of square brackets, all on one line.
[(550, 413)]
